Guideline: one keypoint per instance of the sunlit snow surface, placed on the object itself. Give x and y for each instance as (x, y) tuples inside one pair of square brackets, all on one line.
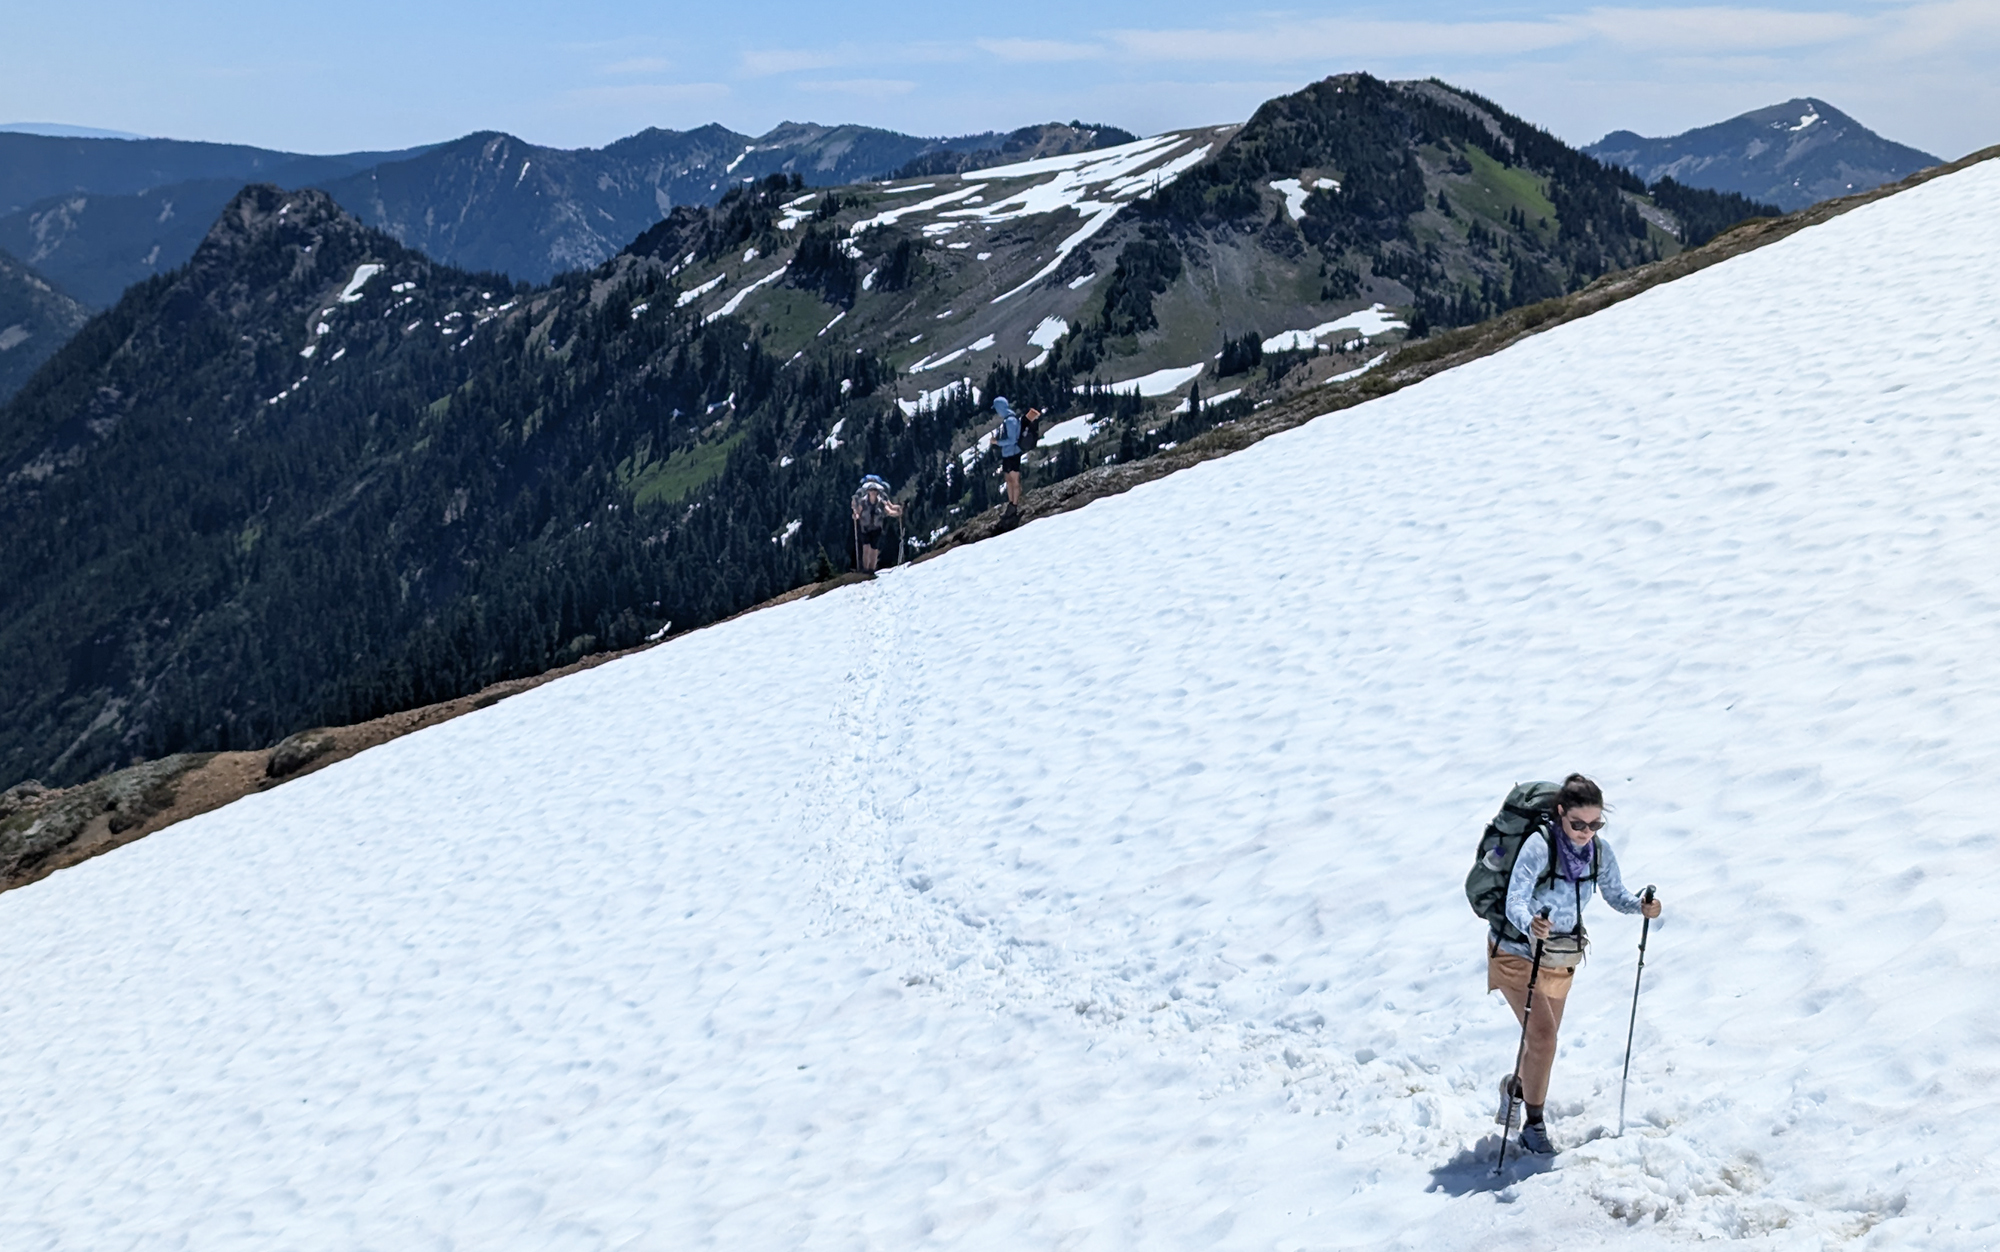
[(931, 399), (362, 273), (1159, 382), (1099, 885), (730, 305), (1220, 397), (1079, 429), (1373, 320), (693, 294), (1095, 185)]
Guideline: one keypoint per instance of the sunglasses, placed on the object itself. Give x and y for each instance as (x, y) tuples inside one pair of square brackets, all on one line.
[(1580, 826)]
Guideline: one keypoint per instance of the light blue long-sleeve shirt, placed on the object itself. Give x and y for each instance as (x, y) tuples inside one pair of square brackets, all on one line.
[(1563, 899)]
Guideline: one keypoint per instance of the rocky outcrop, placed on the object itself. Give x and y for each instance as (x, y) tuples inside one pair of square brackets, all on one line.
[(42, 830)]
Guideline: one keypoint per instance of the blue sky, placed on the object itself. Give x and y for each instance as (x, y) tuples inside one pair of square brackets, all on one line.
[(369, 74)]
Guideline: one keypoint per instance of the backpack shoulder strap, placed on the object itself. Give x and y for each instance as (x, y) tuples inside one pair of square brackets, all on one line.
[(1548, 832)]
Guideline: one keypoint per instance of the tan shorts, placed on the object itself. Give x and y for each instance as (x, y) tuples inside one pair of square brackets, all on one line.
[(1506, 972)]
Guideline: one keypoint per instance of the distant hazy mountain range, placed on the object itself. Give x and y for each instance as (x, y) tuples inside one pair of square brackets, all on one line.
[(1791, 155), (95, 216), (63, 130)]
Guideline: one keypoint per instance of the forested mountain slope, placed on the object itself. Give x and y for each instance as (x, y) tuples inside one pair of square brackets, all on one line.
[(315, 476), (35, 320), (1308, 233), (347, 479)]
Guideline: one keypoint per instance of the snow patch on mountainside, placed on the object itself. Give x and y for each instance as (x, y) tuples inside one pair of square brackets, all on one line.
[(362, 273), (1097, 165), (1095, 185), (1159, 382), (1296, 193), (936, 396), (693, 294), (736, 301), (1221, 397), (1369, 322), (888, 217), (1080, 428)]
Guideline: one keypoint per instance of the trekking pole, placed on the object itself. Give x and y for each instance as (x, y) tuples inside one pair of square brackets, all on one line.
[(1645, 896), (1520, 1053), (854, 543)]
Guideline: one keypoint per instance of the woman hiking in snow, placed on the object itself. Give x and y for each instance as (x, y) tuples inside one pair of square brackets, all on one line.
[(1545, 903)]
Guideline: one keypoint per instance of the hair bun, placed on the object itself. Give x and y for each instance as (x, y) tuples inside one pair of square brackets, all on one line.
[(1580, 792)]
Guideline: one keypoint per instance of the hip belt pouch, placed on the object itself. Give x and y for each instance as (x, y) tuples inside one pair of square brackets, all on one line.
[(1565, 951)]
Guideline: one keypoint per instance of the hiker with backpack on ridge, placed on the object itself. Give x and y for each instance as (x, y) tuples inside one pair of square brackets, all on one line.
[(1540, 860), (872, 509), (1016, 434)]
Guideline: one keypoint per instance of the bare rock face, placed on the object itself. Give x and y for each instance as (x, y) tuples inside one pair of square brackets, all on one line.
[(297, 752), (43, 829)]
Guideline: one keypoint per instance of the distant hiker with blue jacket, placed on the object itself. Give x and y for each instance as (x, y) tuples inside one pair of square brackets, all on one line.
[(1543, 904), (1014, 435)]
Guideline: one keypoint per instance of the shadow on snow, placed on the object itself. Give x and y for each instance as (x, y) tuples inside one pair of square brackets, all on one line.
[(1472, 1169)]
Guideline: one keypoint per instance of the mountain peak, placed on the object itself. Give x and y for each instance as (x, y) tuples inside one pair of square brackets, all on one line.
[(261, 210), (273, 248), (1791, 154)]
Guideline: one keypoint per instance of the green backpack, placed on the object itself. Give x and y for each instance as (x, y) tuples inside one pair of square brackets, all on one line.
[(1530, 809)]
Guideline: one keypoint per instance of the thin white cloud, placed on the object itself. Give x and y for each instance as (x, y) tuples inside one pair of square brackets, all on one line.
[(651, 94), (1956, 26), (1682, 30), (764, 62), (864, 88), (1718, 28), (1340, 40), (639, 65), (1041, 50), (758, 62)]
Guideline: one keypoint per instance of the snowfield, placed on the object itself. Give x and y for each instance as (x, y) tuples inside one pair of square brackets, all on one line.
[(1365, 323), (1096, 185), (851, 924)]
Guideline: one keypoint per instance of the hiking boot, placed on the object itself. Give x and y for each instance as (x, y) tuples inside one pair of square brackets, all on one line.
[(1509, 1111), (1535, 1139)]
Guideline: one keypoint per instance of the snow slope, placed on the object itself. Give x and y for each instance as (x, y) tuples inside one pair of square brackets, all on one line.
[(843, 925)]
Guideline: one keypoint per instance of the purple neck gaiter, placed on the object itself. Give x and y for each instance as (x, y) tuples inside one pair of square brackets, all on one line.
[(1575, 861)]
